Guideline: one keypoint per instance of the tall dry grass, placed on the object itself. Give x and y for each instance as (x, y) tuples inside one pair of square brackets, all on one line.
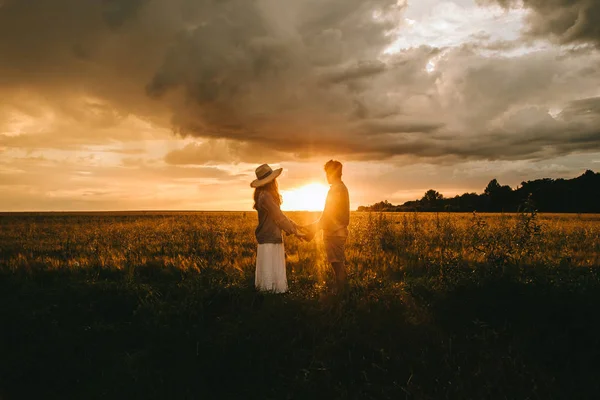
[(162, 305)]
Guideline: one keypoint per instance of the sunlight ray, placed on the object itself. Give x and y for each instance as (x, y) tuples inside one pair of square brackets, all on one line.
[(310, 197)]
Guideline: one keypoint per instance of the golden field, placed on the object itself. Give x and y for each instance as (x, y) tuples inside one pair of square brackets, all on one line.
[(162, 305)]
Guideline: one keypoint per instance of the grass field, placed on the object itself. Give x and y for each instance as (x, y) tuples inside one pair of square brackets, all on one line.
[(162, 305)]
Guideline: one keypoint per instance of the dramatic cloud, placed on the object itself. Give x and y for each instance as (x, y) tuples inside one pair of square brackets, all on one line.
[(285, 81), (289, 77), (568, 21), (151, 89), (302, 80)]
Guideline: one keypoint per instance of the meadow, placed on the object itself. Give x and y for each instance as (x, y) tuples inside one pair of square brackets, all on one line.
[(162, 305)]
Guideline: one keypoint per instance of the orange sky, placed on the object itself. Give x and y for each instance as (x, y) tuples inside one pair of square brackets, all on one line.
[(171, 105)]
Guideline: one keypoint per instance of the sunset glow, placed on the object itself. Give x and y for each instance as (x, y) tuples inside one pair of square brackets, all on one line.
[(408, 95), (310, 197)]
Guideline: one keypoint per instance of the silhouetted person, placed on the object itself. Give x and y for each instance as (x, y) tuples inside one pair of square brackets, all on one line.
[(334, 222), (270, 257)]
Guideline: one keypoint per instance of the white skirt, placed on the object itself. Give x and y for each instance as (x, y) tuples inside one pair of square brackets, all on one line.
[(270, 268)]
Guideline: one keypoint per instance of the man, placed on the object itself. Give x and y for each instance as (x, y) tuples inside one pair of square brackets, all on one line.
[(334, 222)]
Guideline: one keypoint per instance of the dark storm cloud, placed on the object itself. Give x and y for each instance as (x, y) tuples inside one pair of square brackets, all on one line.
[(266, 73), (400, 127), (58, 52), (291, 80), (574, 129), (362, 69), (569, 21), (117, 12), (584, 107)]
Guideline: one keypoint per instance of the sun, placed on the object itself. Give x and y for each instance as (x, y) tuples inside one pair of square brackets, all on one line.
[(309, 197)]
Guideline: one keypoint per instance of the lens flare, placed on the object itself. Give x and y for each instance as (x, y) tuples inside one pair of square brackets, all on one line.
[(309, 197)]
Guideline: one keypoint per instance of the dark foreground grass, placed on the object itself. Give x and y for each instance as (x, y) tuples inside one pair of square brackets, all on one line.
[(74, 334), (163, 306)]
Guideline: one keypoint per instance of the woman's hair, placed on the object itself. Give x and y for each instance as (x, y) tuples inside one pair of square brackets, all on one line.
[(270, 187)]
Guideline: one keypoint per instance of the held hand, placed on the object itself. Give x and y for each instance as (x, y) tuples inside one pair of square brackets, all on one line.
[(313, 228), (300, 235), (306, 233)]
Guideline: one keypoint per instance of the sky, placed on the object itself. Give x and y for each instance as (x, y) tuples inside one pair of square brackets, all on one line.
[(172, 104)]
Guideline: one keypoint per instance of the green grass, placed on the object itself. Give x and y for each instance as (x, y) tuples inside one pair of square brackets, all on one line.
[(162, 305)]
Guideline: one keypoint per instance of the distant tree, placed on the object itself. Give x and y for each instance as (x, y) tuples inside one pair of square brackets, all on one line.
[(381, 206), (431, 199), (579, 194), (589, 173), (500, 197), (469, 202), (432, 196), (492, 188)]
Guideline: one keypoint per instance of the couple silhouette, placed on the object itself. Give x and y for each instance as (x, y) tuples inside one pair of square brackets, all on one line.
[(272, 222)]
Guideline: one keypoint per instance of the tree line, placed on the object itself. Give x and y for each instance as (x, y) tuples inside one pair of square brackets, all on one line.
[(577, 195)]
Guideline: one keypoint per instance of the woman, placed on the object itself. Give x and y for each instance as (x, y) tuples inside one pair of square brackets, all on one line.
[(270, 258)]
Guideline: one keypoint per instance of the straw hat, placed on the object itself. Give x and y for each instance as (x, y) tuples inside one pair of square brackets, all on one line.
[(264, 175)]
